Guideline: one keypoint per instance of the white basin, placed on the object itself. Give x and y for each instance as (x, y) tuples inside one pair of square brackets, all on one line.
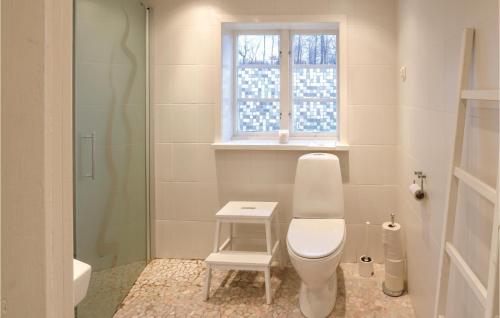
[(81, 279)]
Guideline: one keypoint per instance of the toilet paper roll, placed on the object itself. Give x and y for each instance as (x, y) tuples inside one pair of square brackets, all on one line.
[(416, 191), (365, 269), (394, 267), (391, 239), (393, 284), (283, 136)]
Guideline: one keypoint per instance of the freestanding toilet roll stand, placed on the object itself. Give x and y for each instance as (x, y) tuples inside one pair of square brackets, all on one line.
[(393, 284)]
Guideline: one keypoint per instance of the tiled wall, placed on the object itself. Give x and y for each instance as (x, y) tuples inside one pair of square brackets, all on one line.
[(429, 46), (193, 180)]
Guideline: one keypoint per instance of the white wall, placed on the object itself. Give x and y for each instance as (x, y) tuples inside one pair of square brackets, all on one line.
[(37, 236), (193, 180), (429, 46)]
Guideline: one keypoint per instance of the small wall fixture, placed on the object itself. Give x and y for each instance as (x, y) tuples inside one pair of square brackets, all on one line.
[(417, 189)]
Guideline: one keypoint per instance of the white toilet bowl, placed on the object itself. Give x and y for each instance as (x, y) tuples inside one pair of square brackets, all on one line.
[(316, 235), (316, 267)]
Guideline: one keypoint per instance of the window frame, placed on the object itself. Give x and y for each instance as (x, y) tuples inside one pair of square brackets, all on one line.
[(286, 84), (224, 136)]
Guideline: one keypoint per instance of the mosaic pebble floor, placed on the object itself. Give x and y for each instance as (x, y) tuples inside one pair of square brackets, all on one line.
[(107, 289), (173, 288)]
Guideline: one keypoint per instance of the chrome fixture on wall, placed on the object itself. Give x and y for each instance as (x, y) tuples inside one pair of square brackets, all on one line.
[(417, 189)]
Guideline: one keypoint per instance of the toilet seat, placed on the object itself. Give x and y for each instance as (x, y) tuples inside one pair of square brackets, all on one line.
[(315, 238)]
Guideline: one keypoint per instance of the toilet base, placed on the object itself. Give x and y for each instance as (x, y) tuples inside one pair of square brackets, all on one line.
[(318, 302)]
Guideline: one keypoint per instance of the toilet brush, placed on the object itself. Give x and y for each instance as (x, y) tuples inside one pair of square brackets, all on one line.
[(365, 262)]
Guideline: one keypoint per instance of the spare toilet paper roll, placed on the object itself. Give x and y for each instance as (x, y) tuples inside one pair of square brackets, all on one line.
[(283, 136), (416, 191), (394, 267), (365, 268), (393, 283), (391, 239)]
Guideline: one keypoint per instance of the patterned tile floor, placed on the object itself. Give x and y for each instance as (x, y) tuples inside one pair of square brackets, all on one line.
[(173, 288), (107, 289)]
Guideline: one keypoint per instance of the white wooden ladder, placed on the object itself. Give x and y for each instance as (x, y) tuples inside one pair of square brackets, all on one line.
[(449, 254)]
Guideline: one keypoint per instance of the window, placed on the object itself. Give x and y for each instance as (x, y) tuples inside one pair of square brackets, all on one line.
[(258, 82), (314, 83), (295, 91)]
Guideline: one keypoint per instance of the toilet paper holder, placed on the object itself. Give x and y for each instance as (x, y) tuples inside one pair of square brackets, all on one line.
[(420, 176)]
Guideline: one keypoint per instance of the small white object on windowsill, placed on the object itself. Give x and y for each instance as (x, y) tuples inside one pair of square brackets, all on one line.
[(283, 136)]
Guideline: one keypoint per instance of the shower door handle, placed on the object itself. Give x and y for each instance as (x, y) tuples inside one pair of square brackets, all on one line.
[(93, 153)]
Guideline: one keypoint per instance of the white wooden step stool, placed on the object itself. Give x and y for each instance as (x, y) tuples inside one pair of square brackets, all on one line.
[(222, 258)]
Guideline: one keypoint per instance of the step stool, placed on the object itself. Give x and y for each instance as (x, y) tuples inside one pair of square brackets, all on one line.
[(223, 258)]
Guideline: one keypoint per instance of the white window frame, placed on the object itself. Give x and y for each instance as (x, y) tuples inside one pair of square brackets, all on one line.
[(225, 125)]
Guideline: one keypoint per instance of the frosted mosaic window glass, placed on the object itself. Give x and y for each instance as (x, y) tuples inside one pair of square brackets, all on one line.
[(258, 83), (314, 83)]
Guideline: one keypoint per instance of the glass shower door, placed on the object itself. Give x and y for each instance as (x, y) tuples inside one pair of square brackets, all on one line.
[(110, 144)]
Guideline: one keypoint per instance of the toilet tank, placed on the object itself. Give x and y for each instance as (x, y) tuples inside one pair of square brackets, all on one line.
[(318, 191)]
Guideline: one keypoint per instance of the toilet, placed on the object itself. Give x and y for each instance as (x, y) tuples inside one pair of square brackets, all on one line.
[(316, 235)]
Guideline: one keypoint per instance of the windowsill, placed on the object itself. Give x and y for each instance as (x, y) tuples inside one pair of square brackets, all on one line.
[(297, 145)]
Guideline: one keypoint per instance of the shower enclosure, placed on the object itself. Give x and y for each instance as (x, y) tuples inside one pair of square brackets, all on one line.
[(110, 148)]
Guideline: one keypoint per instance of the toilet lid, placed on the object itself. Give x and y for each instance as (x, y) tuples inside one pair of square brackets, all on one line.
[(315, 238)]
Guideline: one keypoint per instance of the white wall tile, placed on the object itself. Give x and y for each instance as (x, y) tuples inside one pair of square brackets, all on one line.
[(372, 125), (208, 200), (207, 165), (372, 85), (378, 12), (372, 45), (184, 239), (205, 123), (163, 200), (162, 124), (184, 123), (263, 167), (161, 81), (247, 7), (351, 204), (233, 166), (184, 13), (302, 7), (376, 203), (182, 84), (182, 46), (206, 80), (163, 162), (183, 200), (185, 162), (373, 165), (345, 7), (350, 249)]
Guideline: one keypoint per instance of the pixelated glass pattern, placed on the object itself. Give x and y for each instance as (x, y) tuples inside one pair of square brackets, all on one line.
[(258, 83), (314, 83)]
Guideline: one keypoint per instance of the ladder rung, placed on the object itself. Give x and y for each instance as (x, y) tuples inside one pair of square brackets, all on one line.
[(467, 273), (476, 184), (480, 94)]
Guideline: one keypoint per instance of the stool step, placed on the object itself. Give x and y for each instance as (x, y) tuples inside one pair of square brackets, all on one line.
[(235, 258)]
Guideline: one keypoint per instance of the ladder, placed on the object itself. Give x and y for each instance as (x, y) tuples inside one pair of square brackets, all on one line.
[(449, 254)]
